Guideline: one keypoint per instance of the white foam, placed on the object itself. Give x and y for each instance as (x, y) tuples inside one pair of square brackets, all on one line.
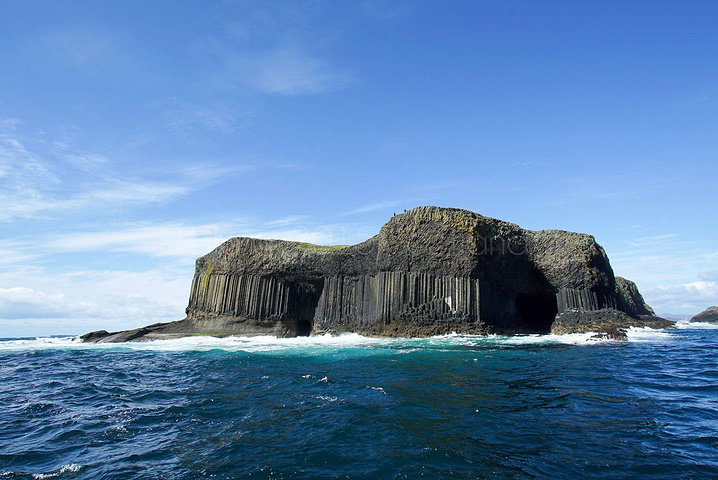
[(38, 343), (72, 468), (322, 344), (696, 325), (647, 335), (567, 339), (529, 339), (325, 398)]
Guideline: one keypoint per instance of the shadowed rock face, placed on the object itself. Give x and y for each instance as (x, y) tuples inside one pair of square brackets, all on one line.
[(630, 299), (709, 315), (429, 271)]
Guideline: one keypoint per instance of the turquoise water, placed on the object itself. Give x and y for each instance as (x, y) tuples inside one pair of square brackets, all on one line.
[(352, 407)]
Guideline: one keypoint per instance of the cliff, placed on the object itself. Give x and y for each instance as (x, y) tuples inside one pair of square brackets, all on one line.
[(428, 271), (709, 315)]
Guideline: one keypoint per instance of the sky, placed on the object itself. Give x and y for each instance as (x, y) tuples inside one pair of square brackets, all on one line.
[(138, 136)]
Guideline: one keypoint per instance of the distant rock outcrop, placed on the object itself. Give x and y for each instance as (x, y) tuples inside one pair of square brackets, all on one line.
[(709, 315), (429, 271)]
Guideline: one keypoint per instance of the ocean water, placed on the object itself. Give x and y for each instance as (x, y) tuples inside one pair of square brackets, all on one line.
[(353, 407)]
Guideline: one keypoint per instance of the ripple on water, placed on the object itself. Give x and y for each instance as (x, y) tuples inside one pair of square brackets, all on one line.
[(323, 407)]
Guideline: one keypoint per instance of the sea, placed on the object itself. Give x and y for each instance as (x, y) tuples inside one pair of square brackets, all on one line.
[(352, 407)]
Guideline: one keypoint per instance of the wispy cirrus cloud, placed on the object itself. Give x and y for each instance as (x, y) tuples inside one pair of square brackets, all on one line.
[(15, 252), (22, 167), (89, 162), (178, 240), (670, 261), (51, 178), (30, 188), (651, 240), (165, 240), (372, 207), (9, 124)]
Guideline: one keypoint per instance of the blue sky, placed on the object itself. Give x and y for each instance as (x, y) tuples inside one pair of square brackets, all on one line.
[(137, 136)]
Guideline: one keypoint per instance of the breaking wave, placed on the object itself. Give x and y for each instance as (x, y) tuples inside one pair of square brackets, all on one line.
[(323, 343)]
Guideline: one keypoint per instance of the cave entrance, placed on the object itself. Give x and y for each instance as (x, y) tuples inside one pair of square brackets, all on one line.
[(537, 310), (304, 328)]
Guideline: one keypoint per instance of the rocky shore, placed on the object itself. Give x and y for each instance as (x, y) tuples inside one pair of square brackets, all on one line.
[(709, 315)]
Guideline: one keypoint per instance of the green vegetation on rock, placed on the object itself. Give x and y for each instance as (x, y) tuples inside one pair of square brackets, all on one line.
[(320, 248)]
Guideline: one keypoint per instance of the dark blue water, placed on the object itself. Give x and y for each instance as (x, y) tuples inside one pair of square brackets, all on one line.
[(349, 407)]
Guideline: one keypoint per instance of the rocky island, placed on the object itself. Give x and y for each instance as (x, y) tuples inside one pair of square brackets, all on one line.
[(428, 271), (709, 315)]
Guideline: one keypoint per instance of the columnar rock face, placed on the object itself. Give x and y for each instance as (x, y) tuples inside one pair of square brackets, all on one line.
[(429, 271)]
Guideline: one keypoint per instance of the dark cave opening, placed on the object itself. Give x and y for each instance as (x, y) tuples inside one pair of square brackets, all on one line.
[(304, 328), (537, 310)]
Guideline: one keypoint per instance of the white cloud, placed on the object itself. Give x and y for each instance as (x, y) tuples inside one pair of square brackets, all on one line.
[(664, 267), (81, 300), (691, 297), (22, 302), (711, 276)]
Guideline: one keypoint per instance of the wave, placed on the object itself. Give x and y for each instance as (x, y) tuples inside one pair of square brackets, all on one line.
[(696, 325), (322, 343), (648, 334), (65, 469), (72, 468)]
